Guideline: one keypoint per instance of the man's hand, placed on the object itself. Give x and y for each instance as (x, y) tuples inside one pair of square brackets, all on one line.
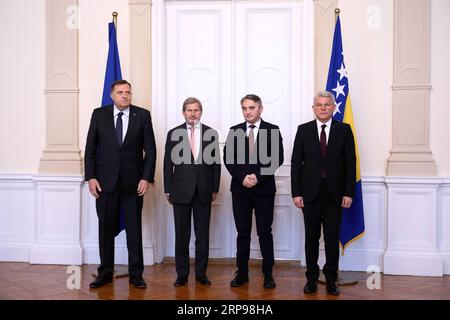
[(93, 187), (142, 187), (253, 179), (168, 198), (346, 202), (214, 196), (250, 181), (298, 201)]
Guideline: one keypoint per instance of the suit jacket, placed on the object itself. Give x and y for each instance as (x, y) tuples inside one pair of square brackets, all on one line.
[(339, 164), (134, 160), (239, 169), (181, 179)]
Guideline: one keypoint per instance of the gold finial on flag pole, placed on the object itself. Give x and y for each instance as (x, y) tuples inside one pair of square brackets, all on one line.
[(336, 13), (114, 15)]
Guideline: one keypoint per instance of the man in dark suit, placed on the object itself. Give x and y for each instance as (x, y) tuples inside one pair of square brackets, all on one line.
[(191, 184), (119, 163), (252, 153), (323, 172)]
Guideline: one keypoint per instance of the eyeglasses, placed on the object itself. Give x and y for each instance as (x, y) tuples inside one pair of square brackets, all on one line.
[(326, 105)]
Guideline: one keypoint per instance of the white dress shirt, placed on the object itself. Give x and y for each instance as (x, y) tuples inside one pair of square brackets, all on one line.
[(197, 133), (327, 128)]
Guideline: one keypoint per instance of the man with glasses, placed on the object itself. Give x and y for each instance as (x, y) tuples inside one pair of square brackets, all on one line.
[(323, 172)]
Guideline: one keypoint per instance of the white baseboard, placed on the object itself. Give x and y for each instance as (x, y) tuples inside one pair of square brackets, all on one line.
[(15, 252), (446, 261), (413, 263), (54, 254), (361, 259)]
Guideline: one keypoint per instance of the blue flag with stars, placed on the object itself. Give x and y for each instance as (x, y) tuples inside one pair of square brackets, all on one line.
[(352, 224)]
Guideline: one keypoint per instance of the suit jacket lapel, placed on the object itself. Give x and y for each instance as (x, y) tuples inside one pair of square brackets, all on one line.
[(186, 138), (332, 137), (315, 134), (131, 122), (111, 126), (262, 125), (203, 143)]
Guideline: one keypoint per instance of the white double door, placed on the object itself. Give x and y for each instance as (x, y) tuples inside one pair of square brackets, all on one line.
[(219, 51)]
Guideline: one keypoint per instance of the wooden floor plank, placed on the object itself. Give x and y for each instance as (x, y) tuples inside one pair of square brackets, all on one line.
[(23, 281)]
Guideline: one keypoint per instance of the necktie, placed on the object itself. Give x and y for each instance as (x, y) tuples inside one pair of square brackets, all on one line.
[(251, 139), (323, 147), (193, 141), (119, 128), (323, 141)]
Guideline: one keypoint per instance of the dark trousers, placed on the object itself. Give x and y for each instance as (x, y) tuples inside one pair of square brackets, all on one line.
[(182, 218), (108, 210), (322, 211), (243, 206)]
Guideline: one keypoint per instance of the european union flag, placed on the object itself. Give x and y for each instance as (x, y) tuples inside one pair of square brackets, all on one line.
[(112, 74), (352, 224)]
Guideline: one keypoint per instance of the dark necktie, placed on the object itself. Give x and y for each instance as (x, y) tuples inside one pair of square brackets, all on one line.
[(323, 147), (251, 139), (323, 141), (119, 128)]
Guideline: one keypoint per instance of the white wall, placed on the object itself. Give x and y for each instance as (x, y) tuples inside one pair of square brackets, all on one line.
[(368, 57), (367, 32), (93, 51), (22, 61), (440, 81)]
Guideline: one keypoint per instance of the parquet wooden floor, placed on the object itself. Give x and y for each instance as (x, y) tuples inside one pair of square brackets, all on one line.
[(23, 281)]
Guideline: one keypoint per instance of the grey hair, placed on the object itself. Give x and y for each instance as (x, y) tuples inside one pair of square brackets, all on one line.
[(325, 94)]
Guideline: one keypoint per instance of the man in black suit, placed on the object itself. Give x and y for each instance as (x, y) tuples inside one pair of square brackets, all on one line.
[(119, 163), (252, 153), (191, 184), (323, 172)]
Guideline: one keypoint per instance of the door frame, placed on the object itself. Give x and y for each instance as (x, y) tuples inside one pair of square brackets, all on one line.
[(159, 114)]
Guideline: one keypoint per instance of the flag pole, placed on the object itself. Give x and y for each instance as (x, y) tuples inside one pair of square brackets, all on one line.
[(114, 19), (336, 13)]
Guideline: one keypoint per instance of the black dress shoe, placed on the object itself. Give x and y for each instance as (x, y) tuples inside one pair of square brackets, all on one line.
[(138, 282), (181, 281), (203, 280), (269, 282), (310, 287), (333, 289), (239, 280), (100, 281)]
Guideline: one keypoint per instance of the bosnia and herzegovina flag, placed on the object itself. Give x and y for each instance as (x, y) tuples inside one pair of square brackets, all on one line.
[(352, 224), (112, 74)]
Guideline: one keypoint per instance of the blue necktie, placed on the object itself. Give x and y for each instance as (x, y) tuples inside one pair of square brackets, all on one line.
[(119, 128)]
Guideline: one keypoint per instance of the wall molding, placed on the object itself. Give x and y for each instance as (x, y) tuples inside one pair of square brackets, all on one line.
[(52, 219)]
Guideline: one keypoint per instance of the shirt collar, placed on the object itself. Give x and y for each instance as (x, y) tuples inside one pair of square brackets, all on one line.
[(256, 124), (196, 125), (328, 123), (126, 112)]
